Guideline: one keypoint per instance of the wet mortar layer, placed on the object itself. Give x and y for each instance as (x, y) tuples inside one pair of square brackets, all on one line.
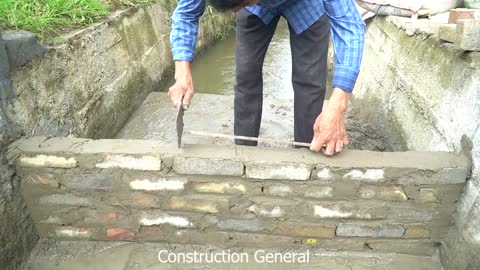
[(50, 255)]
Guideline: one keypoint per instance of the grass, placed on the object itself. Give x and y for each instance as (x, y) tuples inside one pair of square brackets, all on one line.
[(219, 32), (49, 18)]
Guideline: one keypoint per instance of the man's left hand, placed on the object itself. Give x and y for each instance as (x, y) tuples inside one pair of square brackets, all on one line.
[(329, 128)]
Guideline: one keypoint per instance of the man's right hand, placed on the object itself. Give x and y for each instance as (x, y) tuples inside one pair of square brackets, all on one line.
[(183, 87)]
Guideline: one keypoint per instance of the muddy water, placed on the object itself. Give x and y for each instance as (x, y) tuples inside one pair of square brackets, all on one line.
[(214, 71)]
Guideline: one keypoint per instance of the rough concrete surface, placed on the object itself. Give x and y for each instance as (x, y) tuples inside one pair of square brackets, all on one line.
[(129, 256), (6, 91), (17, 232), (426, 94), (90, 83), (155, 120)]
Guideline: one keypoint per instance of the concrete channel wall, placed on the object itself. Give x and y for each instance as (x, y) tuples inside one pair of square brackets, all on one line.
[(90, 84), (86, 86), (140, 190), (427, 95)]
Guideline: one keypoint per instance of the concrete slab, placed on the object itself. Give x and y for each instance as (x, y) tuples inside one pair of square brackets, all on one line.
[(132, 256), (155, 120)]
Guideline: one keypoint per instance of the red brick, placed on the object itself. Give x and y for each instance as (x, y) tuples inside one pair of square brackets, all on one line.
[(145, 200), (151, 233), (42, 179), (463, 14), (119, 234), (139, 200)]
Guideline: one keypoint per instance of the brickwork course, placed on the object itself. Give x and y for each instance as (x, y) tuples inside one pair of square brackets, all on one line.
[(135, 190)]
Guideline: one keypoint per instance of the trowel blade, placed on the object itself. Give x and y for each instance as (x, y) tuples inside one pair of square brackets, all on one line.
[(180, 114)]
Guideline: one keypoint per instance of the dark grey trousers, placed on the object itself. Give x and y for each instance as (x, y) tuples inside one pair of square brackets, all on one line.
[(309, 69)]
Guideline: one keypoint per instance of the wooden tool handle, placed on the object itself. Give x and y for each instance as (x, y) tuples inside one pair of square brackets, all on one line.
[(226, 136)]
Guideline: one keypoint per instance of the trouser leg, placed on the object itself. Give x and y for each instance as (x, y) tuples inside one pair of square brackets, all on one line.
[(253, 38), (309, 73)]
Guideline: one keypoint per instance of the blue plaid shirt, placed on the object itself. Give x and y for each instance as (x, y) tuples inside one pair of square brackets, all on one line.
[(346, 25)]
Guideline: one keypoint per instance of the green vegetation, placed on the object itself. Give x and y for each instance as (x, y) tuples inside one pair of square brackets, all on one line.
[(49, 18), (220, 31)]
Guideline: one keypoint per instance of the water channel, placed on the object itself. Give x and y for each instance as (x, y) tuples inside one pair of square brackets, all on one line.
[(214, 74), (214, 70)]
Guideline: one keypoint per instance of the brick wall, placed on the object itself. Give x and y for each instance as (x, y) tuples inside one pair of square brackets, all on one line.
[(86, 86), (138, 190)]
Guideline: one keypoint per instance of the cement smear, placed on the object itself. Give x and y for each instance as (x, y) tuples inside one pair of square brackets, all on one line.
[(132, 256)]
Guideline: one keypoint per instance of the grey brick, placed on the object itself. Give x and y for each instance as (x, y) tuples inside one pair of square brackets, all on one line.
[(42, 178), (92, 181), (66, 199), (253, 225), (359, 230), (204, 166)]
